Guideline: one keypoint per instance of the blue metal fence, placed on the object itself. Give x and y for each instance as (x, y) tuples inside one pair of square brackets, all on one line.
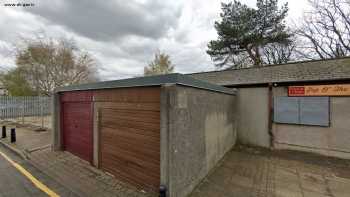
[(26, 110), (15, 107)]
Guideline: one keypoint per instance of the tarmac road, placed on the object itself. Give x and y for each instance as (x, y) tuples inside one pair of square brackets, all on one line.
[(18, 178)]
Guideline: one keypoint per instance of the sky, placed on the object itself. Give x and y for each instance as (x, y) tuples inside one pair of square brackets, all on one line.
[(123, 36)]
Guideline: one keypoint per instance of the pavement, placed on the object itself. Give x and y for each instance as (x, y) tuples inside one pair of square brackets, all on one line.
[(30, 121), (13, 183), (244, 172), (253, 172), (81, 177), (28, 139)]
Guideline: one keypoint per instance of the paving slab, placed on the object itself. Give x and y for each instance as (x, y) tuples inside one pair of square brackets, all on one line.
[(81, 177), (27, 139), (245, 171), (256, 172), (72, 172)]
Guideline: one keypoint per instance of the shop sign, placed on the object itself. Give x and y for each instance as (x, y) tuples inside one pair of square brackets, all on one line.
[(320, 90)]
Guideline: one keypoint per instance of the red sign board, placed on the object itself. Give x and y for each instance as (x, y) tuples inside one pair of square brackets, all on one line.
[(296, 91)]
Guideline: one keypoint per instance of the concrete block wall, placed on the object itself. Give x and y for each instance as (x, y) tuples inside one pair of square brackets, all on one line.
[(201, 129)]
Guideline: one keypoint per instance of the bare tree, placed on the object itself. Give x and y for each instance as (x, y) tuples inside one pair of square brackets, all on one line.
[(50, 63), (325, 31), (279, 53)]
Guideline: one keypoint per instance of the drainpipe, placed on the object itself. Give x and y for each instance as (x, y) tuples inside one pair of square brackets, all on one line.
[(270, 115)]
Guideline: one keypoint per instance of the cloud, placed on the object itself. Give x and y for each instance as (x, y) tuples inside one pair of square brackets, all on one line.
[(122, 35), (111, 20)]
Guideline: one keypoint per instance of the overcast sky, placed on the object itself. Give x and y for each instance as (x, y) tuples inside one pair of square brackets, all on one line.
[(124, 35)]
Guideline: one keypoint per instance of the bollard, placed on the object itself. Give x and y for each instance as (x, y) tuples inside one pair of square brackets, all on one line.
[(3, 131), (13, 135), (162, 191)]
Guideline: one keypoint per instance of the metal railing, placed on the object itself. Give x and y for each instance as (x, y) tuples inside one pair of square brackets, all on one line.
[(32, 110)]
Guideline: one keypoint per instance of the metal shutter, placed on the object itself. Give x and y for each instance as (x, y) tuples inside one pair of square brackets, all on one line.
[(302, 110), (314, 111), (286, 110)]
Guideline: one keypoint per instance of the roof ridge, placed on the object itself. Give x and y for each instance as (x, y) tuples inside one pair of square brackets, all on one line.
[(320, 70)]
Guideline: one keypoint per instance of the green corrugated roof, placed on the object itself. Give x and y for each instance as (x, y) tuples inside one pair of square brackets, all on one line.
[(157, 80)]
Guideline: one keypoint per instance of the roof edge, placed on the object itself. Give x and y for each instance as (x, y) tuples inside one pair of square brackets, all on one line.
[(320, 81), (156, 80)]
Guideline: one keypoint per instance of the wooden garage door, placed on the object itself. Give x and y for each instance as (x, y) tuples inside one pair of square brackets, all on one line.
[(77, 126), (130, 145)]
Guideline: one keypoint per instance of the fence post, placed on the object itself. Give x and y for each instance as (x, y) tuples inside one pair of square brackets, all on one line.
[(41, 112), (23, 99), (8, 108), (2, 109)]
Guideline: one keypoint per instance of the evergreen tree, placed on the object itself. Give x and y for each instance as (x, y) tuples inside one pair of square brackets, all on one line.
[(160, 65), (244, 32)]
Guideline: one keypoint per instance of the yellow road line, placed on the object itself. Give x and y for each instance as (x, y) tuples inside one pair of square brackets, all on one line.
[(35, 181)]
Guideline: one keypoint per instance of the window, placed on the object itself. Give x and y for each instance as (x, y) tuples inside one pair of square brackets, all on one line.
[(302, 110)]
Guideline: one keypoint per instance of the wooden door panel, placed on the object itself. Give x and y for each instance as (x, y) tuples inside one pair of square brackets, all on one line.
[(130, 145)]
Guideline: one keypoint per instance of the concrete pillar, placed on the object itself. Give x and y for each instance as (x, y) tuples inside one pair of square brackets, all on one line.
[(56, 123), (164, 133), (96, 134)]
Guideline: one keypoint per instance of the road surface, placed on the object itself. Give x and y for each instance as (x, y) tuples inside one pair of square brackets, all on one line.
[(18, 178)]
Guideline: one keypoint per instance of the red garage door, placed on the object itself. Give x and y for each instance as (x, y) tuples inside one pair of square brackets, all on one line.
[(77, 124)]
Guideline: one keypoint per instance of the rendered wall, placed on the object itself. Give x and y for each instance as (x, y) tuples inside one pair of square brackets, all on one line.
[(332, 141), (201, 129), (252, 105)]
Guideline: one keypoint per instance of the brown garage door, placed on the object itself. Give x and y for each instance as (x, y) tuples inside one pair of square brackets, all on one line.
[(130, 145), (77, 124)]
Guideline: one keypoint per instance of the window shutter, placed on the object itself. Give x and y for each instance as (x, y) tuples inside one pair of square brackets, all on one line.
[(286, 110), (314, 111)]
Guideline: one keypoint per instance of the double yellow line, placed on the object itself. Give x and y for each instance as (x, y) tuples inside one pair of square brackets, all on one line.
[(34, 180)]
